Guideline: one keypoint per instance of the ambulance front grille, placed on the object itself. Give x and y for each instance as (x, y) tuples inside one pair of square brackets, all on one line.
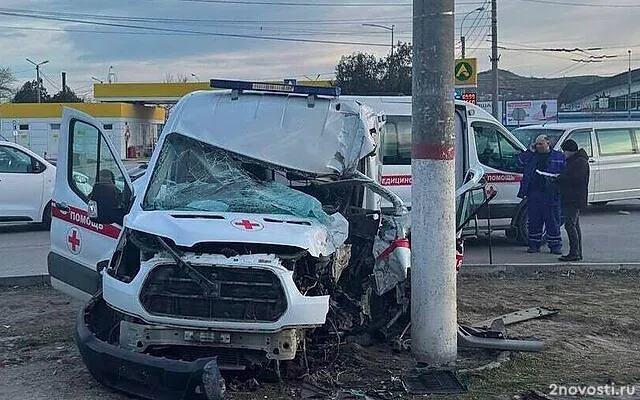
[(238, 294)]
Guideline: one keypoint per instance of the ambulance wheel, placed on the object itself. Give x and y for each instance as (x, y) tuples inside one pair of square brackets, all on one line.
[(523, 227)]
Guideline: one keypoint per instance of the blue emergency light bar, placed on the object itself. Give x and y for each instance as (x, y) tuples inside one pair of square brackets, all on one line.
[(274, 87)]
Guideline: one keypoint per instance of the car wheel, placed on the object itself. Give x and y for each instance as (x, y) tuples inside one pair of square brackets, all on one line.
[(46, 217)]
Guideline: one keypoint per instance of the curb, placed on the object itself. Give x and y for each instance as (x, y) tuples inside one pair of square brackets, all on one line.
[(30, 280), (533, 269), (466, 270)]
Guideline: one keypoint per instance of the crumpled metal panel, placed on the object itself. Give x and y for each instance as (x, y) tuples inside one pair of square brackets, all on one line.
[(329, 138), (392, 251)]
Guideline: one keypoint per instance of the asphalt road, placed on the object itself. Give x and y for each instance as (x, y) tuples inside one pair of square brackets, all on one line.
[(610, 235), (23, 250)]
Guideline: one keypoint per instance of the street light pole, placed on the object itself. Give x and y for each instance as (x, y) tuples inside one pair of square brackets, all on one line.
[(629, 87), (462, 38), (389, 28), (38, 76)]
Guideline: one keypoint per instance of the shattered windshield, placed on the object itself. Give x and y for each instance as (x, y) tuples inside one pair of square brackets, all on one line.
[(192, 175)]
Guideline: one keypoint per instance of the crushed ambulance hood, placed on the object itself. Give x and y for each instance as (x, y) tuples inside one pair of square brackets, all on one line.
[(187, 229), (329, 138)]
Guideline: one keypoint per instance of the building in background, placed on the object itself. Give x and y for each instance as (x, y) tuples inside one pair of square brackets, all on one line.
[(37, 126), (609, 94)]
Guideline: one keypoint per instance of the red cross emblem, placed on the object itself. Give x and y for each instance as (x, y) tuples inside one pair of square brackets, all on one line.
[(247, 225), (73, 240)]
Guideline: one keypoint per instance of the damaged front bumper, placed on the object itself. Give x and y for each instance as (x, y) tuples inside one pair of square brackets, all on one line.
[(135, 373)]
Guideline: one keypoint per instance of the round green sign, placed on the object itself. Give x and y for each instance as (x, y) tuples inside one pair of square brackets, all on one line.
[(464, 71)]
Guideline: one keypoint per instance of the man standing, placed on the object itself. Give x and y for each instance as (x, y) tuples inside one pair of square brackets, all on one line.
[(574, 185), (539, 162)]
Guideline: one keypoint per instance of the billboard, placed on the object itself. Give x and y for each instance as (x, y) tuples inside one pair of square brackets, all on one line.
[(531, 112)]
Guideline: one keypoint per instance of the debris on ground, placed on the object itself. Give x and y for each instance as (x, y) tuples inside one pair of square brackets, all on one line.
[(434, 382), (533, 395), (38, 355)]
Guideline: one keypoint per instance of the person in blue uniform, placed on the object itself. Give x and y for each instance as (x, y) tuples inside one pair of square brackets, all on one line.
[(543, 194)]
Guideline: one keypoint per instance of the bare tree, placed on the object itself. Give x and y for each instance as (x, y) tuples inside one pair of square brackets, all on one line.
[(180, 78), (6, 80)]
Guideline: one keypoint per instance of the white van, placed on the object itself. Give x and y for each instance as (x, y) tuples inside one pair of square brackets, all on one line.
[(613, 149), (481, 142), (257, 209)]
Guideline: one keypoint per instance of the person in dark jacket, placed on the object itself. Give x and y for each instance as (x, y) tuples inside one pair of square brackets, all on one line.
[(108, 196), (574, 185), (543, 195)]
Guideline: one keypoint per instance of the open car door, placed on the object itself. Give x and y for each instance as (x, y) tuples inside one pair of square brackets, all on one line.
[(82, 243), (471, 197)]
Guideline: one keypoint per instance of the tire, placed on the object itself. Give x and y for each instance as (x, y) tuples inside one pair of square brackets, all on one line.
[(600, 203), (46, 217)]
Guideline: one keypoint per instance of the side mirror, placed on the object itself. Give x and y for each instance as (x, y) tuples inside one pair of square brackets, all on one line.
[(36, 166), (105, 206)]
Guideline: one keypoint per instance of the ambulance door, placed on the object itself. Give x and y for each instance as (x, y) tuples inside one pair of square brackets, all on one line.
[(81, 247), (461, 153)]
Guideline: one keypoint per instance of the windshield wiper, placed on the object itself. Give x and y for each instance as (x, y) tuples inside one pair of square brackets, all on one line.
[(209, 288)]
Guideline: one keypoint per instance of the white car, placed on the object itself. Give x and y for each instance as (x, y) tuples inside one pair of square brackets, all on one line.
[(613, 148), (26, 186)]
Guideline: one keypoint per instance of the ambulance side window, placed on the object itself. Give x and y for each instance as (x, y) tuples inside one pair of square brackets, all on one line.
[(108, 162), (83, 158), (90, 158), (397, 141), (494, 149)]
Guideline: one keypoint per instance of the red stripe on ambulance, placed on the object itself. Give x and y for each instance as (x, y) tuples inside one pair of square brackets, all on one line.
[(80, 218)]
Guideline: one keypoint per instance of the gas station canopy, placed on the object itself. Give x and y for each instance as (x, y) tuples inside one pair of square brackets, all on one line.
[(161, 93)]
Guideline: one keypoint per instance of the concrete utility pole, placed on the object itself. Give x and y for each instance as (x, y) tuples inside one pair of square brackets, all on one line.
[(494, 60), (433, 238), (38, 84)]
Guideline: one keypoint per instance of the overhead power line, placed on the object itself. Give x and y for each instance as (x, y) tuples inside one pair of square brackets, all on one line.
[(51, 81), (204, 33), (298, 4), (278, 32), (566, 3), (192, 21), (313, 4)]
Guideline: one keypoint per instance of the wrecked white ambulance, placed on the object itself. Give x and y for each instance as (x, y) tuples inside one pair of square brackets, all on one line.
[(257, 219)]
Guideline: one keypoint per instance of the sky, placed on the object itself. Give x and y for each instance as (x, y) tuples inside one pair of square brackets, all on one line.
[(147, 40)]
